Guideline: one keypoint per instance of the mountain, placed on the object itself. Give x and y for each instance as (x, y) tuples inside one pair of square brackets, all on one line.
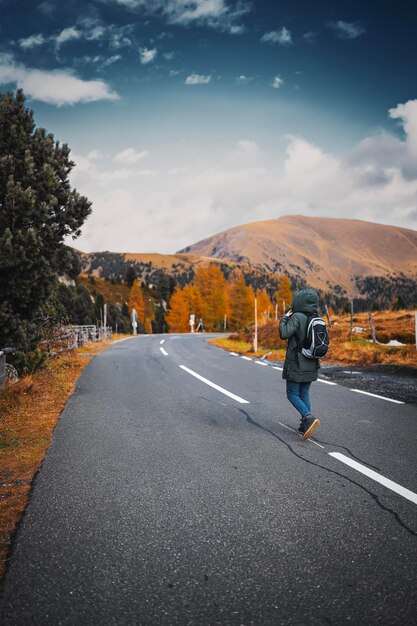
[(337, 255)]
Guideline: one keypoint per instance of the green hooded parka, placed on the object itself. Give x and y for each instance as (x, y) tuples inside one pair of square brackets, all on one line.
[(297, 368)]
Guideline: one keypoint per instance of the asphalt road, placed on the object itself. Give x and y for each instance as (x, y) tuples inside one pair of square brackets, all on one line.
[(163, 500)]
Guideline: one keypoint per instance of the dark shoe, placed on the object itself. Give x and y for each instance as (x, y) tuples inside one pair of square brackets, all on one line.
[(302, 427), (310, 424)]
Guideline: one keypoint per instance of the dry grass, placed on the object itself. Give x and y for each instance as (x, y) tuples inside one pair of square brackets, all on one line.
[(29, 410), (389, 325), (117, 293)]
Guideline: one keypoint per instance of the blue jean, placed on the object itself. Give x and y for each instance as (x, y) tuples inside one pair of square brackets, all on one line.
[(299, 396)]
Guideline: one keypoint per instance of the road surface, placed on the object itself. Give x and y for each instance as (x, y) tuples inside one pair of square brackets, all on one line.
[(176, 491)]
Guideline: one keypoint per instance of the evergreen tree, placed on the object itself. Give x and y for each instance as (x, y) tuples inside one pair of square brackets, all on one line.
[(38, 209), (284, 294), (130, 276)]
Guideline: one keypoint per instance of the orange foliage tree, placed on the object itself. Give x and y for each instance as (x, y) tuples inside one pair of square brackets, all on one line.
[(212, 286), (283, 294), (136, 301), (241, 302), (194, 301), (178, 314), (264, 306)]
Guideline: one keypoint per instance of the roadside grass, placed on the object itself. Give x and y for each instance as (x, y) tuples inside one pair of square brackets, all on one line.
[(29, 411), (397, 325)]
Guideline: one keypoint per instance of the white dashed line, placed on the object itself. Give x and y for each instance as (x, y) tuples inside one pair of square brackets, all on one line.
[(247, 358), (326, 382), (162, 341), (389, 484), (217, 387), (261, 363), (164, 352), (233, 353), (374, 395), (275, 367)]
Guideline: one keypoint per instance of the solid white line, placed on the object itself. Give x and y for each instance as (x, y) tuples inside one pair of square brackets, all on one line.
[(164, 352), (234, 353), (208, 382), (297, 433), (275, 367), (247, 358), (326, 382), (374, 395), (390, 484), (162, 341), (261, 363)]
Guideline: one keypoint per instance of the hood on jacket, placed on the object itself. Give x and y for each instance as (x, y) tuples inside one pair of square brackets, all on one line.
[(305, 301)]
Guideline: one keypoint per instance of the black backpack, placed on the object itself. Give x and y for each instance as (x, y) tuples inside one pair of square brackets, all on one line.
[(317, 341)]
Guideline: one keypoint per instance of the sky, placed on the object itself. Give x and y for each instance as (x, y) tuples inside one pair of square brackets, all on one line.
[(188, 117)]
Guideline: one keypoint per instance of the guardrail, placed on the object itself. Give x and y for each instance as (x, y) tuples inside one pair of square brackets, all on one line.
[(3, 353), (87, 333)]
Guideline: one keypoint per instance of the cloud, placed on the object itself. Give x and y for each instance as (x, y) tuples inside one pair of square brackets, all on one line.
[(223, 15), (47, 8), (197, 79), (58, 87), (310, 37), (281, 37), (276, 82), (243, 80), (147, 55), (68, 34), (32, 42), (191, 198), (130, 156), (347, 30)]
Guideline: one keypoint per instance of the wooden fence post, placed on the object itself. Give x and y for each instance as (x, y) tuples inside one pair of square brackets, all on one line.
[(351, 319), (372, 327)]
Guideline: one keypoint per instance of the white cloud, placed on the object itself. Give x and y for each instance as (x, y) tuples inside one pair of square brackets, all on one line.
[(68, 34), (147, 55), (276, 82), (243, 80), (131, 156), (57, 87), (197, 79), (32, 42), (224, 15), (190, 199), (281, 37), (347, 30)]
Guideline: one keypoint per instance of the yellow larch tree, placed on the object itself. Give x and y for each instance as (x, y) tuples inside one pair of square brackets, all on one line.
[(178, 313), (241, 302), (214, 296), (136, 301), (264, 306), (283, 294)]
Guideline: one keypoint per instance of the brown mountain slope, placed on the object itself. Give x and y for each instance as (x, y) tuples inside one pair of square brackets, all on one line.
[(324, 251)]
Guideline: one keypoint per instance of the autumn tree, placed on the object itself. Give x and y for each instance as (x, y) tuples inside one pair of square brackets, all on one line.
[(178, 313), (214, 295), (136, 301), (264, 305), (241, 302), (284, 293), (194, 301)]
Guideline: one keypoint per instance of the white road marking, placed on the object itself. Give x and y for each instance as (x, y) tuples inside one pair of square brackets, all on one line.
[(217, 387), (234, 353), (374, 395), (390, 484), (247, 358), (297, 433), (275, 367), (164, 352), (162, 341), (261, 363), (326, 382)]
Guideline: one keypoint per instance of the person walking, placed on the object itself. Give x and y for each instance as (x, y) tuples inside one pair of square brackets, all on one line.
[(299, 371)]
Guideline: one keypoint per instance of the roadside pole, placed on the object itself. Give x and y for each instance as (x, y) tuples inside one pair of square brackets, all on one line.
[(255, 339), (225, 322), (351, 319), (276, 312), (134, 318)]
